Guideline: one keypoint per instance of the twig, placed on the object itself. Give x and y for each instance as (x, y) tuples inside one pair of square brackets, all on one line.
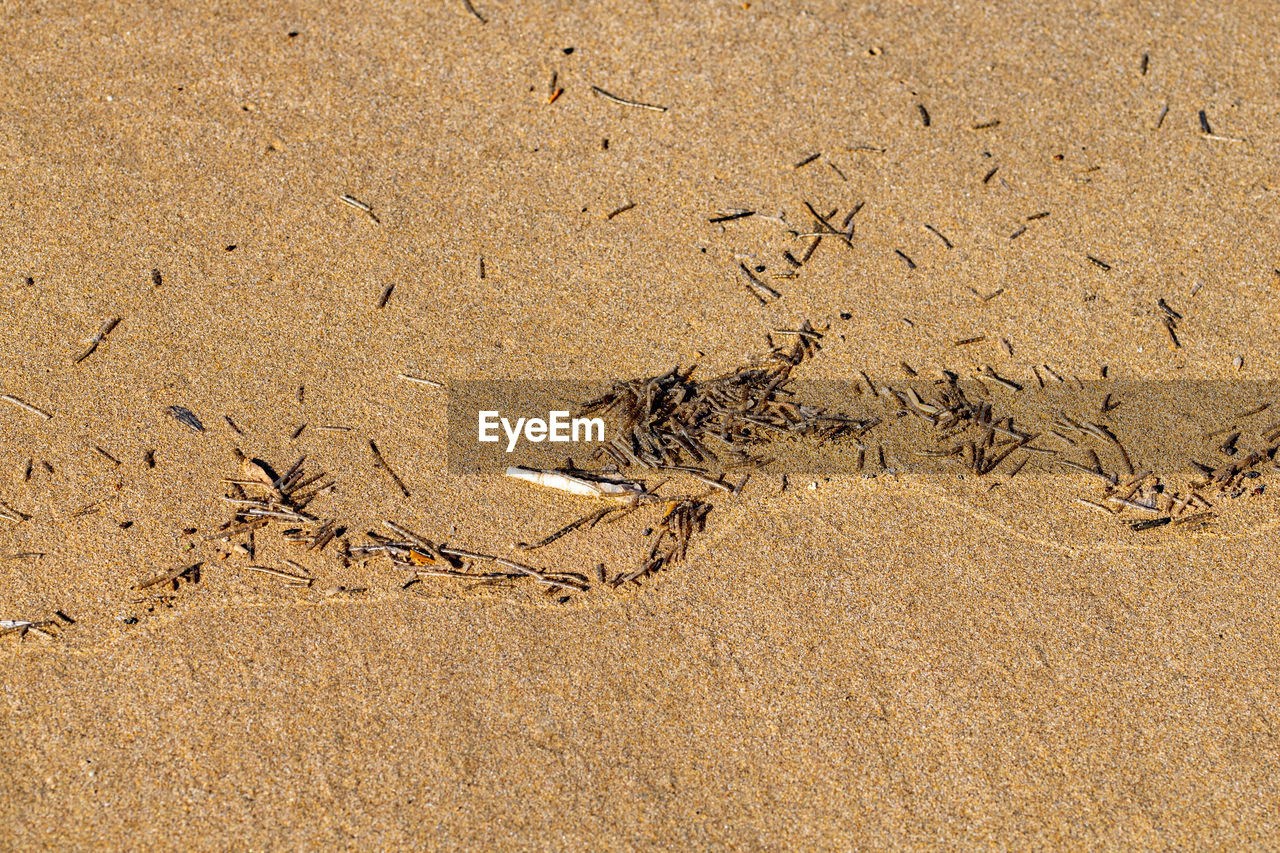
[(101, 336), (430, 383), (382, 463), (283, 575), (626, 103), (9, 398), (352, 201)]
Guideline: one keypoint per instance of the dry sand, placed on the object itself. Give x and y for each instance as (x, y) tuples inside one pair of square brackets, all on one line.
[(897, 661)]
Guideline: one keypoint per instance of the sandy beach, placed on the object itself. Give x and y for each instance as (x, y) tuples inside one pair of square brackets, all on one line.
[(232, 232)]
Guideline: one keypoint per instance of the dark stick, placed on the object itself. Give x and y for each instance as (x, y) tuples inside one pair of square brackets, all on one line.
[(741, 214), (939, 235), (625, 102), (382, 463)]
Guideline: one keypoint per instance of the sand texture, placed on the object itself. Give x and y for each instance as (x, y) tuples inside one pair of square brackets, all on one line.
[(851, 659)]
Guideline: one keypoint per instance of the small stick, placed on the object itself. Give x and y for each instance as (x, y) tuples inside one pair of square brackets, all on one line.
[(9, 398), (382, 463), (1195, 516), (1116, 499), (1164, 306), (190, 572), (939, 235), (588, 520), (999, 380), (625, 102), (1033, 449), (472, 10), (512, 564), (1094, 505), (288, 576), (1102, 475), (831, 229), (101, 336), (804, 333), (386, 295), (351, 201), (806, 161), (754, 284), (105, 455), (87, 509), (430, 383), (620, 210), (715, 484), (234, 426), (16, 516)]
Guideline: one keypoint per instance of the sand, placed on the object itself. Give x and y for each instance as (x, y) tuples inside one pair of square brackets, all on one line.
[(899, 661)]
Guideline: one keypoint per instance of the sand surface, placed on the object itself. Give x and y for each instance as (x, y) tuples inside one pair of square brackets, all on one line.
[(852, 662)]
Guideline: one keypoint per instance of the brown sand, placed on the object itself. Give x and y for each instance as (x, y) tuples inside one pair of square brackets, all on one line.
[(870, 663)]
